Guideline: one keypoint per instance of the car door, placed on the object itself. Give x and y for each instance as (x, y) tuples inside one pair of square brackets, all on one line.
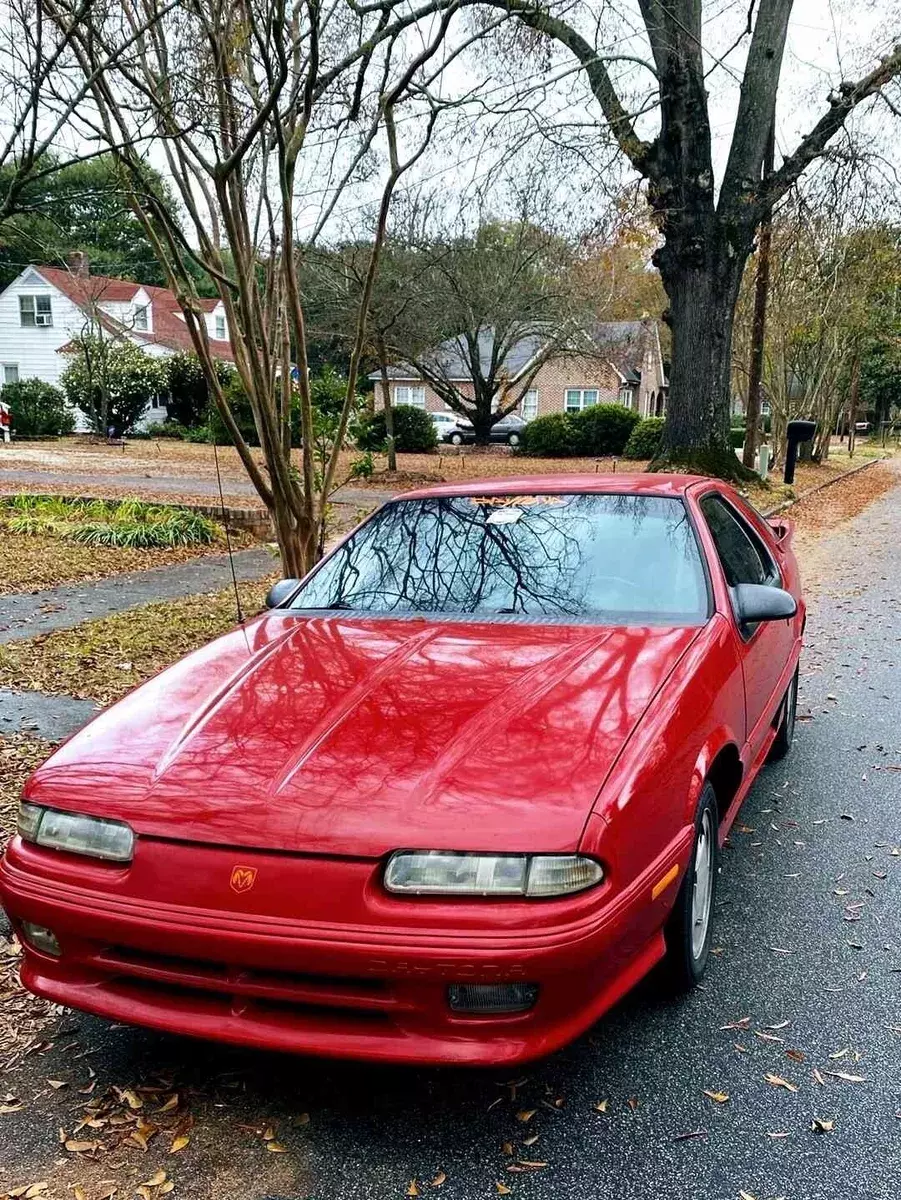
[(766, 649)]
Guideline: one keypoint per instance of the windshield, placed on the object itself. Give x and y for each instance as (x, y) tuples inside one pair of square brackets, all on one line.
[(613, 558)]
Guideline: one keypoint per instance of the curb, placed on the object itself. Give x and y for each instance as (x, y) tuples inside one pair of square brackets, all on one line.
[(821, 487)]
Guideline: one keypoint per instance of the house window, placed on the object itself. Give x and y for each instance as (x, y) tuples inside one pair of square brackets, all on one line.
[(10, 372), (529, 406), (219, 327), (579, 398), (625, 397), (410, 395), (141, 321), (35, 310)]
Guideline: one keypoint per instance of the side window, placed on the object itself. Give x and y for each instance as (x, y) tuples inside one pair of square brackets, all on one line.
[(743, 557)]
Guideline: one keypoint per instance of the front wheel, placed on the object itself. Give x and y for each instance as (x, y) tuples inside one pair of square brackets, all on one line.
[(513, 439), (689, 928), (456, 439)]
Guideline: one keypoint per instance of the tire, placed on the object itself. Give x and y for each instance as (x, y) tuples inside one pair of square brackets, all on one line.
[(786, 731), (456, 439), (513, 439), (689, 929)]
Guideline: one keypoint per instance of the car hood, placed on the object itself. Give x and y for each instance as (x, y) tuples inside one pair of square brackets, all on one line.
[(359, 736)]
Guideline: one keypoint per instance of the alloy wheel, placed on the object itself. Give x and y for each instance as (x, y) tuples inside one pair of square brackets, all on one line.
[(702, 892)]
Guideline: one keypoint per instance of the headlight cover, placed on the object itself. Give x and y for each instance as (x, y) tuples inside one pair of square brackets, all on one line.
[(448, 873), (96, 837)]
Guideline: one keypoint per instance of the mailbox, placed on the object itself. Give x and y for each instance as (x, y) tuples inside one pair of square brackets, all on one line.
[(796, 433)]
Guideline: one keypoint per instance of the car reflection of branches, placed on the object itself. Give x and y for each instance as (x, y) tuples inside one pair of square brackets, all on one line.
[(572, 556)]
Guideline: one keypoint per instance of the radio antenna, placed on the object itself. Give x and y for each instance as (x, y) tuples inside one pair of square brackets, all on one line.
[(228, 541)]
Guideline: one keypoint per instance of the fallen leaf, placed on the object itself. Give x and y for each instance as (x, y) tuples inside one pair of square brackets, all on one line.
[(502, 1189), (601, 1106), (301, 1119), (268, 1134), (76, 1147), (167, 1188), (507, 1148), (632, 1103), (530, 1141), (56, 1084), (819, 1125), (412, 1189), (778, 1081), (276, 1148), (526, 1114), (144, 1192), (719, 1097), (78, 1193), (439, 1179), (179, 1143), (848, 1078), (171, 1103), (794, 1055), (129, 1097), (10, 1108), (155, 1180)]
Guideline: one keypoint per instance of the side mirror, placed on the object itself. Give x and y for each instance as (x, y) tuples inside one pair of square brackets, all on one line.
[(279, 592), (753, 602)]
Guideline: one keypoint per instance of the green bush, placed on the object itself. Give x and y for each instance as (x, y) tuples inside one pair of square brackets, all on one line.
[(603, 429), (188, 400), (644, 438), (553, 436), (38, 409), (737, 437), (112, 383), (414, 431)]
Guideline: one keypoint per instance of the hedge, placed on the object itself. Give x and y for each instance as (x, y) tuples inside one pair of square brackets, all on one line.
[(644, 438), (602, 429), (414, 431), (38, 408)]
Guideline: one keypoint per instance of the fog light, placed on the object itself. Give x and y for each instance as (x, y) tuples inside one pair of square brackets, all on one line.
[(41, 938), (492, 997)]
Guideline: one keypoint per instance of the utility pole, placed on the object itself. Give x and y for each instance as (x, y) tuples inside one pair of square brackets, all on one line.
[(758, 328)]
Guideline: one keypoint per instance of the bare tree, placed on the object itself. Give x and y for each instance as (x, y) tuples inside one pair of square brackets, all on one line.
[(248, 100), (706, 236), (493, 307), (39, 99)]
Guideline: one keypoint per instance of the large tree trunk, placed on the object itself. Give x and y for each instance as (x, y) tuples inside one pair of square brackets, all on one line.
[(702, 299)]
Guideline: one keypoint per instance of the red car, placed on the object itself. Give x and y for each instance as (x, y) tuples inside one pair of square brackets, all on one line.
[(447, 800)]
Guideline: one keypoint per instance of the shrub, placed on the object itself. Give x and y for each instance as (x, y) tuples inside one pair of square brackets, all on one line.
[(553, 436), (38, 409), (133, 523), (189, 401), (112, 383), (414, 431), (603, 429), (737, 437), (644, 438)]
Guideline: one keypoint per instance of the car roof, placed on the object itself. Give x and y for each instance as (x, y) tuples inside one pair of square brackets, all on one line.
[(644, 484)]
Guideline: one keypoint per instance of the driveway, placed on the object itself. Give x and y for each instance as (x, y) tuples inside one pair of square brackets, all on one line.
[(803, 988)]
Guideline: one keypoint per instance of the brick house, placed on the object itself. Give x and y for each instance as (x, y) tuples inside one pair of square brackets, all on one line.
[(622, 364)]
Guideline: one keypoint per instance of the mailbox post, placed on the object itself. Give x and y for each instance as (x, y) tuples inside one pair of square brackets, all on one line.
[(796, 433)]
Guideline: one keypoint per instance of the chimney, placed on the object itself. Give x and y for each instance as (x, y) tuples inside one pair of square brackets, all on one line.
[(77, 262)]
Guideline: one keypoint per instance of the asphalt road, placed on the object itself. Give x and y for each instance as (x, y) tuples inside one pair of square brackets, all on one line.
[(804, 985)]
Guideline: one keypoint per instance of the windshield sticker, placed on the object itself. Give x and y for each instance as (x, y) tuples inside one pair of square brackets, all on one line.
[(504, 516), (515, 501)]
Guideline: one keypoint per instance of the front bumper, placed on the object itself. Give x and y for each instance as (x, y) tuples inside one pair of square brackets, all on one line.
[(363, 989)]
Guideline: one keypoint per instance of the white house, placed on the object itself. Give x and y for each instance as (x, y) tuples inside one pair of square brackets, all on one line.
[(44, 308)]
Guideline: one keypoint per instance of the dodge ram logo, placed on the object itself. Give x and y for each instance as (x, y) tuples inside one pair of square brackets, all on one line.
[(243, 878)]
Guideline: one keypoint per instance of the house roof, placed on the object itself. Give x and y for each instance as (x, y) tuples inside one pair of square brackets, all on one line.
[(623, 344), (169, 328)]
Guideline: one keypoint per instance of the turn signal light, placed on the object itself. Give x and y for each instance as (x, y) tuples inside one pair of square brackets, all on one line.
[(486, 998)]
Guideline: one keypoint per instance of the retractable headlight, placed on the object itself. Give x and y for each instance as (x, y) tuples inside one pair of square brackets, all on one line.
[(113, 841), (446, 873)]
